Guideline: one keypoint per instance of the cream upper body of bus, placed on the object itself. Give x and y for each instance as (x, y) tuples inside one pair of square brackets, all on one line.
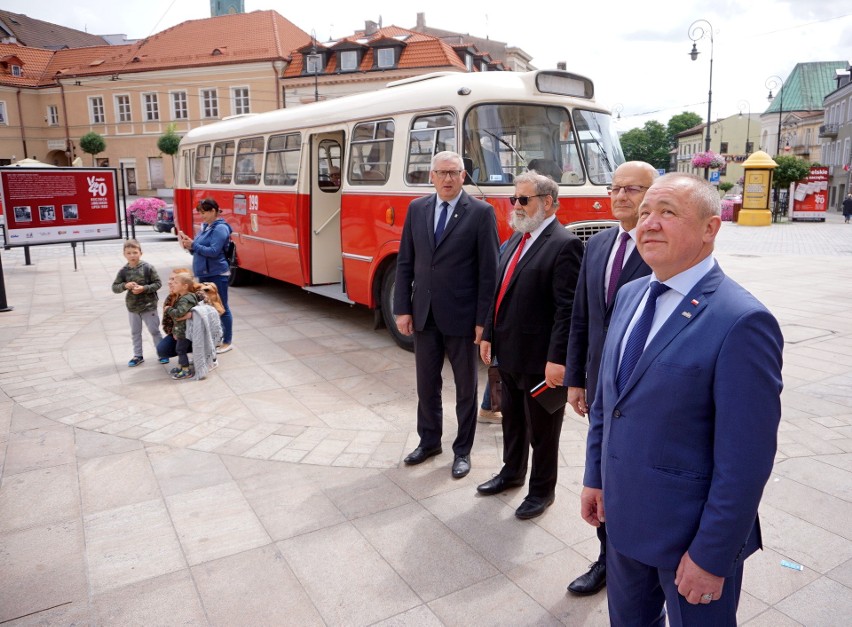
[(317, 194)]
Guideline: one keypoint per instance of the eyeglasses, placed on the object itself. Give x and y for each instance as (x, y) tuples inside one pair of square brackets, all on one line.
[(628, 189), (448, 174), (524, 199)]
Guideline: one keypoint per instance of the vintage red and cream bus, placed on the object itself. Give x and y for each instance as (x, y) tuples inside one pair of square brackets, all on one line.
[(317, 195)]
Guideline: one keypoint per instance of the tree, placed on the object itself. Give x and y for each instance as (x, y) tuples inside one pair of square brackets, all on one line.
[(168, 144), (790, 170), (725, 186), (92, 144), (648, 143), (679, 123)]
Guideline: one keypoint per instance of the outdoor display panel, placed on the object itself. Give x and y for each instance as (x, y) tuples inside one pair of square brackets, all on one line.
[(810, 200), (58, 205)]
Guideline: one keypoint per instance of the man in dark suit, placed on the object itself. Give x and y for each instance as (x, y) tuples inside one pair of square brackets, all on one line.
[(684, 422), (527, 332), (610, 261), (445, 275)]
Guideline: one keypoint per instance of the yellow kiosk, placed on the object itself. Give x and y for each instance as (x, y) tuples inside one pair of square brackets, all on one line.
[(756, 187)]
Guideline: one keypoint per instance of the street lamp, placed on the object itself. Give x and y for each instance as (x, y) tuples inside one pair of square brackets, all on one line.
[(617, 108), (743, 105), (774, 82), (698, 31), (315, 60)]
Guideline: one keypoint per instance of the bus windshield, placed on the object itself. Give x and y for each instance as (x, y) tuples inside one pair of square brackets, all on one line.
[(504, 140)]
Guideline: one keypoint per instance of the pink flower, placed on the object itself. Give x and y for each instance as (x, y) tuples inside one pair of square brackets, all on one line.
[(707, 159), (145, 210)]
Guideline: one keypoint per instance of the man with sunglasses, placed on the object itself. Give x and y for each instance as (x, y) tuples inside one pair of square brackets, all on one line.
[(445, 275), (527, 332), (610, 261)]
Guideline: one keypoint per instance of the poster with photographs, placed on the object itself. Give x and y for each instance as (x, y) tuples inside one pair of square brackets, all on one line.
[(69, 212), (47, 213), (23, 214)]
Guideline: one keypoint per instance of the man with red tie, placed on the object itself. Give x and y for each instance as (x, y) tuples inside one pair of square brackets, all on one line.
[(527, 332)]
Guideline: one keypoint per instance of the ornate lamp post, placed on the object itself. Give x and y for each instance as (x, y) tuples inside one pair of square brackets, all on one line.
[(697, 30), (316, 60), (744, 105), (617, 108), (775, 82)]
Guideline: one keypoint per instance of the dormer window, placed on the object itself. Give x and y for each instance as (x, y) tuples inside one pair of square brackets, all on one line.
[(17, 70), (348, 60), (385, 58), (314, 64)]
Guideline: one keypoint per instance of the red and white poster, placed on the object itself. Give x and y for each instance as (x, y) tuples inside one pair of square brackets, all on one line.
[(56, 205), (810, 197)]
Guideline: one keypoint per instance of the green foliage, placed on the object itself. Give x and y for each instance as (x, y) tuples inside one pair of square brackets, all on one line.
[(92, 144), (724, 186), (790, 169), (648, 143), (169, 141), (679, 123)]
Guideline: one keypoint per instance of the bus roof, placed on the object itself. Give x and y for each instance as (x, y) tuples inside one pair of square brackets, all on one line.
[(447, 88)]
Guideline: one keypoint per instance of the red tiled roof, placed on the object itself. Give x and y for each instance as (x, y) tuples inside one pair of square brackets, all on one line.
[(34, 62)]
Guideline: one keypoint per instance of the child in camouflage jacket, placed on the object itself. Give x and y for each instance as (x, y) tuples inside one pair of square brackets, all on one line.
[(141, 281)]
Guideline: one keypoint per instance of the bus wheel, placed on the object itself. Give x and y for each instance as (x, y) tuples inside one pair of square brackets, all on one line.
[(388, 282)]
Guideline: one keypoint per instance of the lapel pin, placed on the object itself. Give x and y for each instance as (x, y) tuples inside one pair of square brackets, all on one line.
[(694, 303), (686, 314)]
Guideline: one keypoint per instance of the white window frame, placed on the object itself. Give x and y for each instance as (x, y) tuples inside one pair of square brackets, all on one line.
[(123, 109), (209, 103), (348, 60), (4, 118), (382, 60), (179, 98), (150, 106), (17, 71), (95, 116), (314, 64), (847, 144), (240, 100), (52, 115)]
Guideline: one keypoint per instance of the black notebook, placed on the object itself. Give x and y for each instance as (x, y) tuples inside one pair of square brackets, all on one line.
[(552, 399)]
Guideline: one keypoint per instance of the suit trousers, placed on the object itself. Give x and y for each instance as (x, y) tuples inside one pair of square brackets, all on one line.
[(636, 594), (430, 347), (526, 423)]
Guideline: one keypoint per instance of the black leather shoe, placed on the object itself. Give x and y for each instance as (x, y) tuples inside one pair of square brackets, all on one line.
[(498, 484), (534, 506), (420, 455), (461, 466), (590, 582)]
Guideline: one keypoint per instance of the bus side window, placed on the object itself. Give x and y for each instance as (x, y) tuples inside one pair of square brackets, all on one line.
[(223, 162), (202, 163), (429, 135), (370, 152), (249, 161), (282, 159)]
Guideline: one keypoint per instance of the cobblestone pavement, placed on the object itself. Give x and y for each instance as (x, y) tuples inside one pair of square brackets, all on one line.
[(273, 491)]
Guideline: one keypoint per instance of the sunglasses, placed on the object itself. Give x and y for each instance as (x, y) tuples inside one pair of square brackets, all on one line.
[(524, 199)]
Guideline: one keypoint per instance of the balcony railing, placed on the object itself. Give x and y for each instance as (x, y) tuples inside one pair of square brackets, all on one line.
[(828, 130)]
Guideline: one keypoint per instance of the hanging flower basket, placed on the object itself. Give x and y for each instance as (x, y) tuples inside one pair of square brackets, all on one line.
[(707, 159), (144, 210)]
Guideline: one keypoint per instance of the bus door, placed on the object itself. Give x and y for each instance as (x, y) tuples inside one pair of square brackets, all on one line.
[(326, 166)]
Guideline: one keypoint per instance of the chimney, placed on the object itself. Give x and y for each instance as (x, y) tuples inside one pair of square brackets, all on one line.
[(421, 21), (370, 27), (561, 65)]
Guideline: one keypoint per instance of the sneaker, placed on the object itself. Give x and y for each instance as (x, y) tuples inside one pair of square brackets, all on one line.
[(489, 416), (183, 373), (224, 348), (215, 364), (175, 370), (164, 360), (135, 361)]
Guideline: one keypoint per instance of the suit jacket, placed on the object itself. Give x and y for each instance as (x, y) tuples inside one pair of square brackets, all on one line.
[(590, 317), (684, 452), (455, 279), (535, 314)]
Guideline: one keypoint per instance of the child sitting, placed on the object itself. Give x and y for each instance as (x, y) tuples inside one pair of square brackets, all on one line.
[(167, 346)]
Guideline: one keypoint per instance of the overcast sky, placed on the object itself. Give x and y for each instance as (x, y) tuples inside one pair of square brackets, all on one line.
[(635, 52)]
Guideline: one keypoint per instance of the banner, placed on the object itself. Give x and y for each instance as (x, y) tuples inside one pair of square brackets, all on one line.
[(810, 197), (57, 205)]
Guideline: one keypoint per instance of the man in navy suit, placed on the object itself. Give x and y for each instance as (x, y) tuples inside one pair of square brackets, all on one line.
[(684, 422), (527, 332), (445, 275), (610, 261)]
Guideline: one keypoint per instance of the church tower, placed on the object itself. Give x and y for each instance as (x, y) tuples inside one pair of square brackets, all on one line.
[(226, 7)]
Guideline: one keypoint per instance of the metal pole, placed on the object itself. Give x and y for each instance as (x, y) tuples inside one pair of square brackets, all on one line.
[(698, 31)]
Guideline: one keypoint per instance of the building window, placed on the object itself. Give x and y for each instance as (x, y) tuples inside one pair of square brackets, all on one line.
[(348, 60), (180, 111), (17, 70), (468, 62), (52, 115), (313, 64), (3, 119), (723, 148), (96, 110), (385, 57), (209, 103), (122, 107), (151, 106), (240, 96)]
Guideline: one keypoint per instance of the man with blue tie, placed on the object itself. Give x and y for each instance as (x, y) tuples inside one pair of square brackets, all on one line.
[(445, 276), (683, 426), (610, 261)]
